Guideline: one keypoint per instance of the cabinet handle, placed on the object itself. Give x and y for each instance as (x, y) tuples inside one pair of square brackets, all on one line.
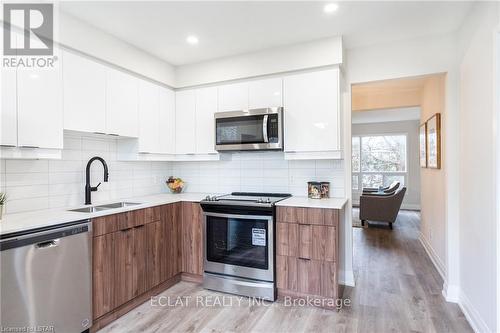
[(8, 146), (101, 133), (29, 147), (113, 134), (304, 258), (126, 229)]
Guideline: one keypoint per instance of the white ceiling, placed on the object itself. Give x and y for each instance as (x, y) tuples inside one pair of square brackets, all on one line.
[(230, 28), (385, 115)]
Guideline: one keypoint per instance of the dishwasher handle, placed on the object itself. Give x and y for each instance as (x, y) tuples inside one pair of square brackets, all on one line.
[(48, 244), (45, 239)]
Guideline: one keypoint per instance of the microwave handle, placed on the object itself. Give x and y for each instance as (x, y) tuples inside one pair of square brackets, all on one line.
[(264, 128)]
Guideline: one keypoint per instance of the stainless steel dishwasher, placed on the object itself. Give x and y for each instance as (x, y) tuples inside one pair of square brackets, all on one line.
[(46, 279)]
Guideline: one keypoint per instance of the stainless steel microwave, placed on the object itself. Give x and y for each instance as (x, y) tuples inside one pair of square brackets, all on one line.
[(257, 129)]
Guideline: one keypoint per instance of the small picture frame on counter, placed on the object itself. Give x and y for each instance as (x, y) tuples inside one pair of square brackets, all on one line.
[(314, 190), (325, 190)]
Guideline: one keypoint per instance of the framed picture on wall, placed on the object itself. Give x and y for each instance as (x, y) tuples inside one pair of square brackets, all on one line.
[(422, 138), (434, 142)]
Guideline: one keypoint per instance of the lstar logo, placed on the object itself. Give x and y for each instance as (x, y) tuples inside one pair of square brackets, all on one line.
[(37, 23)]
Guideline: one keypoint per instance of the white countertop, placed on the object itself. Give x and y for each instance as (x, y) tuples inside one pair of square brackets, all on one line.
[(329, 203), (44, 218)]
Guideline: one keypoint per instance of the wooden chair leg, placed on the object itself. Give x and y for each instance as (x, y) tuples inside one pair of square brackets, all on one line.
[(390, 225)]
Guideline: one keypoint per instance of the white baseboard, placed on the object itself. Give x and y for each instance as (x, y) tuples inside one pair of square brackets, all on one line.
[(451, 293), (347, 278), (433, 256), (473, 317)]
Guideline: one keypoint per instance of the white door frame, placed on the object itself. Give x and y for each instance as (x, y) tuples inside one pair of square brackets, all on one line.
[(496, 154)]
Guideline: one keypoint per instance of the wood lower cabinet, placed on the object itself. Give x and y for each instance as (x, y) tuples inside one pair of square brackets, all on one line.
[(123, 246), (134, 252), (307, 251), (103, 274), (192, 236)]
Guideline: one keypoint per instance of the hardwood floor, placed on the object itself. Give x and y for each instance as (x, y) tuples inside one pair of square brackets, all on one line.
[(397, 290)]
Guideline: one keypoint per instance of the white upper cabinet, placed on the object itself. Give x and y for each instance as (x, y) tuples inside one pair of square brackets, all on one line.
[(149, 116), (167, 120), (121, 103), (206, 106), (265, 93), (185, 122), (8, 104), (311, 112), (84, 90), (233, 97), (39, 108)]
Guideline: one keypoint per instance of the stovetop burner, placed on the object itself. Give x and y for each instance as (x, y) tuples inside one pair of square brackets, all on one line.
[(247, 199)]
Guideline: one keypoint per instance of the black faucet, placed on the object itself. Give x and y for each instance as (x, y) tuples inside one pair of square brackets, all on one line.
[(89, 189)]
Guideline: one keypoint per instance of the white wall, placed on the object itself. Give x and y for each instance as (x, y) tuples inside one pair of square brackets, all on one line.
[(416, 57), (318, 53), (260, 172), (412, 197), (92, 41), (478, 228), (42, 184)]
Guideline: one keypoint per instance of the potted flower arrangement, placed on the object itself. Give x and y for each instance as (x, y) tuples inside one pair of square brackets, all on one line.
[(3, 199)]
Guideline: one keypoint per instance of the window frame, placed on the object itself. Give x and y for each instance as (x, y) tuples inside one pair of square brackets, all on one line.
[(360, 173)]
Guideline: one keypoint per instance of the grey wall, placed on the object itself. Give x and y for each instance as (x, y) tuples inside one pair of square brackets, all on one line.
[(410, 128)]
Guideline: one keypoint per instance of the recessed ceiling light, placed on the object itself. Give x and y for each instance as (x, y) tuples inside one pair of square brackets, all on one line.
[(330, 8), (193, 40)]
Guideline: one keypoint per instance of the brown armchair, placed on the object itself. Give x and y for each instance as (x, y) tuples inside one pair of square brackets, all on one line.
[(381, 207), (387, 189)]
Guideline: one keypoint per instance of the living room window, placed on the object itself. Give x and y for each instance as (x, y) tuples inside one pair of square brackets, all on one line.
[(378, 160)]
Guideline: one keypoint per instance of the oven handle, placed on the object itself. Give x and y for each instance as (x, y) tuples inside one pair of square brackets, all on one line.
[(264, 128), (238, 216)]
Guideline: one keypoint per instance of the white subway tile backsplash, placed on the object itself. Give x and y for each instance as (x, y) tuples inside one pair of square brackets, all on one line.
[(14, 206), (26, 166), (28, 191), (39, 184), (25, 179)]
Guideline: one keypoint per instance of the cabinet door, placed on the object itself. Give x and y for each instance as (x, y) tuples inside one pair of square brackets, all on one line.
[(171, 219), (311, 103), (265, 93), (206, 106), (84, 91), (155, 242), (185, 119), (139, 262), (149, 116), (103, 274), (309, 276), (121, 103), (233, 97), (167, 120), (192, 251), (8, 111), (39, 108), (124, 289)]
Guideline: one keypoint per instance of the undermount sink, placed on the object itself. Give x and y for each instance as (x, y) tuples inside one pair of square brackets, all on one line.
[(117, 205), (91, 209), (114, 205)]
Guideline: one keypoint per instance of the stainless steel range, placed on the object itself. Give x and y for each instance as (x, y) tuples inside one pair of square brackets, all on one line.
[(239, 238)]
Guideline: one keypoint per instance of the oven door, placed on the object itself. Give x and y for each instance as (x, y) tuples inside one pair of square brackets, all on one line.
[(239, 245), (259, 129)]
